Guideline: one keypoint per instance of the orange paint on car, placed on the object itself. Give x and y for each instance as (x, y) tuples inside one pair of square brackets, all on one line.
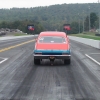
[(48, 46), (53, 46)]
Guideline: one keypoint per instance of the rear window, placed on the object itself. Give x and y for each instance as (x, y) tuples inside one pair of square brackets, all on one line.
[(52, 39)]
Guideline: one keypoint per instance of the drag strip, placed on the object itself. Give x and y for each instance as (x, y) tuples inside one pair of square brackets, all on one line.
[(20, 79)]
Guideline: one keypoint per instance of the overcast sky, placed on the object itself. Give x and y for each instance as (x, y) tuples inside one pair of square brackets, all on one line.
[(35, 3)]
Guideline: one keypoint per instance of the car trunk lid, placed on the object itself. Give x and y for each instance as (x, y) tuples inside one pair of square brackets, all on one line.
[(51, 46)]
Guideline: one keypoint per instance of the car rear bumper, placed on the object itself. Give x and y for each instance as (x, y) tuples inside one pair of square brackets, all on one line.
[(52, 56)]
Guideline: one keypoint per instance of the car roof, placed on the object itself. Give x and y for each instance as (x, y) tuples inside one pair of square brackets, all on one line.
[(53, 33)]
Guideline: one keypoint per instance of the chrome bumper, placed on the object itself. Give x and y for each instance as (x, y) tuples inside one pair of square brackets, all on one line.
[(37, 56)]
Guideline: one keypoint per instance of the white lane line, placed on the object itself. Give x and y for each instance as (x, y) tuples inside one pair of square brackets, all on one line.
[(4, 59), (92, 59)]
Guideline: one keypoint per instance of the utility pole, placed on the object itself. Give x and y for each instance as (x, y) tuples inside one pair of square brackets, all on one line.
[(99, 22), (99, 17), (89, 18), (79, 21), (83, 20)]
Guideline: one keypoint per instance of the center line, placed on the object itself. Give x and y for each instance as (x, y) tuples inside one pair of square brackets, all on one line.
[(11, 47)]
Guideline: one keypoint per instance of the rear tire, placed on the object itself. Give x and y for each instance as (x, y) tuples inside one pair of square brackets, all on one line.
[(36, 61), (67, 61)]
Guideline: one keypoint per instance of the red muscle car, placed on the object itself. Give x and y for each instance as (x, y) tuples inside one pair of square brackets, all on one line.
[(52, 45)]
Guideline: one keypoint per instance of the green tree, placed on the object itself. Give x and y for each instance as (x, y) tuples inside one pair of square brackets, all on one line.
[(86, 24), (15, 24), (93, 19), (4, 24), (22, 25), (50, 17), (74, 27)]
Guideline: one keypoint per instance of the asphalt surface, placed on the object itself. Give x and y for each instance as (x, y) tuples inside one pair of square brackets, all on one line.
[(20, 79)]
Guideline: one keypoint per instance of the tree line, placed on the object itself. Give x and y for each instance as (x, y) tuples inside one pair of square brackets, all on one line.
[(22, 25), (52, 17), (82, 26)]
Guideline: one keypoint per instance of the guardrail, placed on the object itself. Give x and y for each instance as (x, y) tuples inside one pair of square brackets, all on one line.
[(90, 42)]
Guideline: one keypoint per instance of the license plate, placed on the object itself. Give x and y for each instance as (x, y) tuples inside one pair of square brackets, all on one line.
[(52, 57)]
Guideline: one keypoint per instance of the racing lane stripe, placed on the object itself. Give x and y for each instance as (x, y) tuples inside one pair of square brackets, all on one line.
[(4, 59), (11, 47), (92, 59)]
